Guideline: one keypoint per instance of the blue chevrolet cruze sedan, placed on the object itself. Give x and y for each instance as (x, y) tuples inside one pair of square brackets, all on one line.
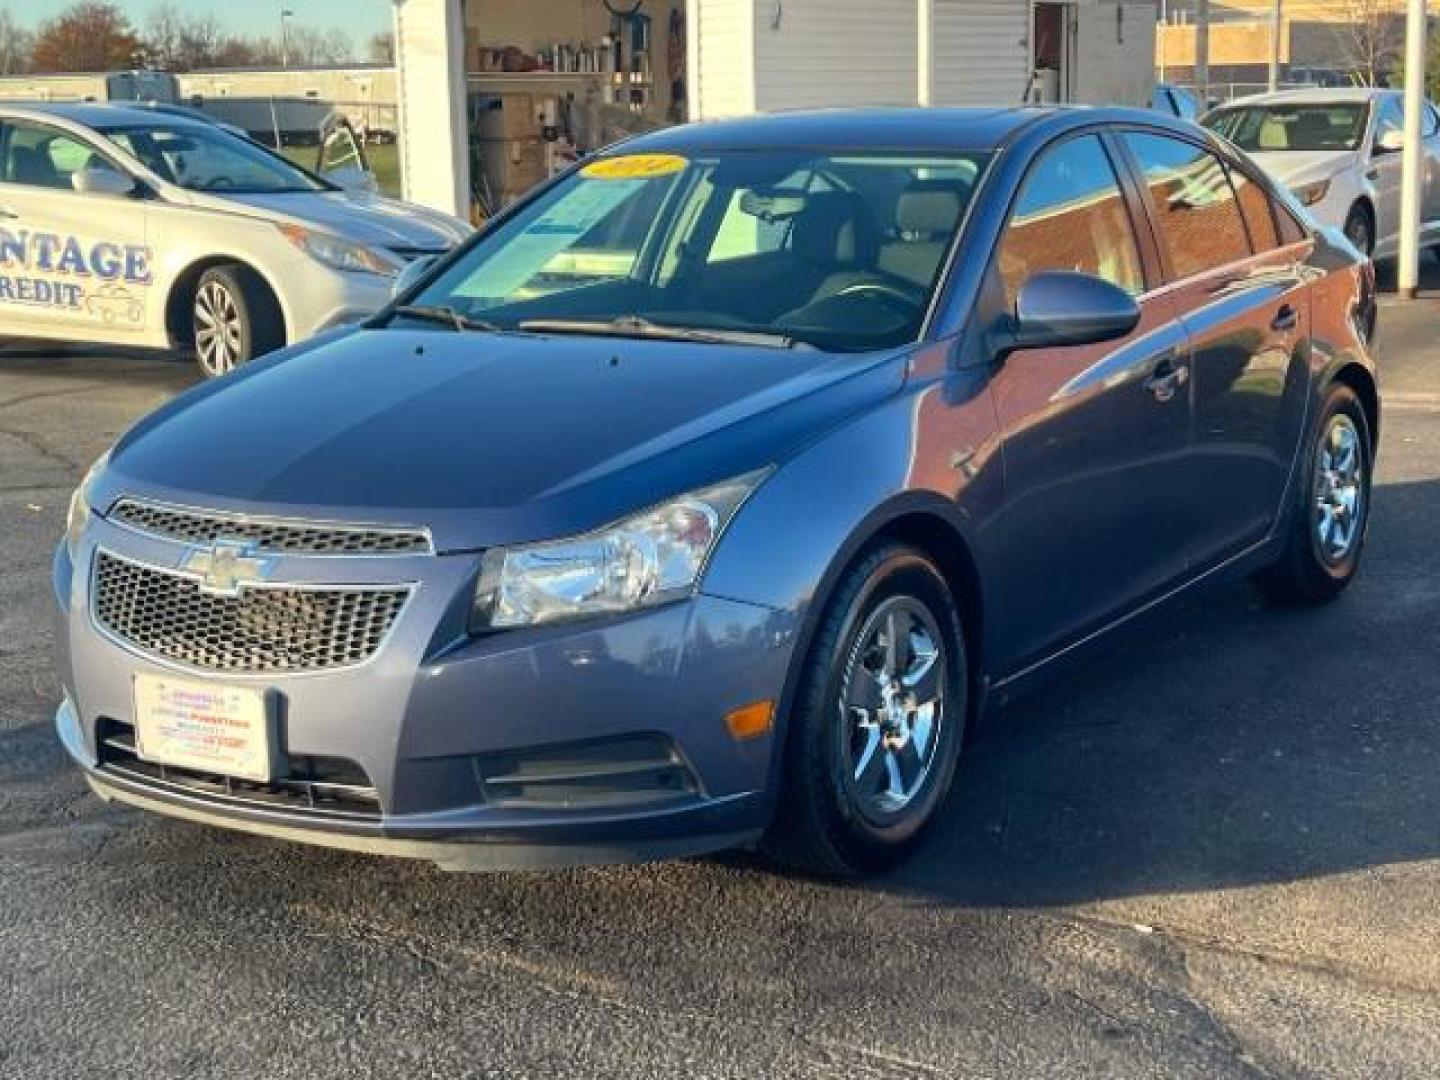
[(714, 494)]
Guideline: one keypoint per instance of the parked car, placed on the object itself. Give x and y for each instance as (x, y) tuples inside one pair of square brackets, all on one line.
[(1175, 101), (1338, 150), (170, 108), (889, 415), (132, 226)]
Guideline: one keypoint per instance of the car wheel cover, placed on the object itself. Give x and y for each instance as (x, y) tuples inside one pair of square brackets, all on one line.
[(1339, 490), (217, 328), (892, 706)]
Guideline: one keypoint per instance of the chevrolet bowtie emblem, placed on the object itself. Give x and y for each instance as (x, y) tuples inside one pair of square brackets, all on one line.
[(226, 567)]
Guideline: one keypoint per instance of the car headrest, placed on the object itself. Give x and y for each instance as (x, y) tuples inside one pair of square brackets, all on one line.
[(836, 228), (928, 206), (31, 166)]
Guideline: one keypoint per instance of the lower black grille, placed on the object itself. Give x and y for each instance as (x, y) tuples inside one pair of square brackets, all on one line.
[(333, 787), (628, 772)]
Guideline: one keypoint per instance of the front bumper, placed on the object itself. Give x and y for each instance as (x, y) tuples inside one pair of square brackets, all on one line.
[(328, 298), (430, 716)]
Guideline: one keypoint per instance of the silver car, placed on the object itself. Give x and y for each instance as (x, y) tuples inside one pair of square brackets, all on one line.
[(1338, 150), (126, 226)]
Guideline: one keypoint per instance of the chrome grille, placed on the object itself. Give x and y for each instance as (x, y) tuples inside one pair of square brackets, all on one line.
[(287, 537), (269, 629)]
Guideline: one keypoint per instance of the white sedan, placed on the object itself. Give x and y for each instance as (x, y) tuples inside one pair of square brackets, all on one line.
[(1338, 151), (127, 226)]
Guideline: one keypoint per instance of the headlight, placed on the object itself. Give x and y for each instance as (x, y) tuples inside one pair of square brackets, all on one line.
[(78, 515), (648, 559), (1310, 194), (339, 254)]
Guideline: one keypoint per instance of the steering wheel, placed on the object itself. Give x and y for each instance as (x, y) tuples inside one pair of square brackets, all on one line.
[(891, 294), (220, 183)]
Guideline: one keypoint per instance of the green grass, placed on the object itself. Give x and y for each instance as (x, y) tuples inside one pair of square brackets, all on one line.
[(384, 163)]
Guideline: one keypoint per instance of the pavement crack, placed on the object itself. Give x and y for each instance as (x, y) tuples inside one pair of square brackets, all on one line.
[(578, 985), (1314, 965), (33, 442), (1226, 1034), (40, 395)]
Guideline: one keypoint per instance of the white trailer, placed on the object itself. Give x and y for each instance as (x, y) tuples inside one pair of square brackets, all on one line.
[(91, 86), (762, 55)]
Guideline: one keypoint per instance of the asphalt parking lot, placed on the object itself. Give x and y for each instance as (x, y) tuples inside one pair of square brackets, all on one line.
[(1214, 851)]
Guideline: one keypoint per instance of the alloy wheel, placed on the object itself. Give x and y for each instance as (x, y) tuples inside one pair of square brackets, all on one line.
[(1339, 489), (892, 705), (218, 328)]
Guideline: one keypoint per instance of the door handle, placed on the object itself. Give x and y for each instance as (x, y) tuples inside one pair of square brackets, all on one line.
[(1167, 379), (1287, 318)]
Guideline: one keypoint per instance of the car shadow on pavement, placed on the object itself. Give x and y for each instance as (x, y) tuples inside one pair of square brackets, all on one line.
[(1220, 744)]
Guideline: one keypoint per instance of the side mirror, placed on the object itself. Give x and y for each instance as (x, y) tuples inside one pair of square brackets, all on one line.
[(414, 270), (101, 180), (1390, 141), (1061, 307)]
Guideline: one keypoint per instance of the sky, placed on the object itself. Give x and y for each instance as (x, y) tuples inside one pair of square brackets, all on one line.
[(260, 18)]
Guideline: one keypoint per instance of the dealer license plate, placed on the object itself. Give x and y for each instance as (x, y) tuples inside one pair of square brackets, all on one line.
[(208, 727)]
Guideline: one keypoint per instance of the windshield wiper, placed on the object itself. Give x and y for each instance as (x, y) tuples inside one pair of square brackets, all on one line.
[(640, 327), (445, 316)]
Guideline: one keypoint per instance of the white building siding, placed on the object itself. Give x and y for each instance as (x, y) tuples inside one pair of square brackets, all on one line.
[(1112, 65), (723, 55), (982, 52), (835, 52)]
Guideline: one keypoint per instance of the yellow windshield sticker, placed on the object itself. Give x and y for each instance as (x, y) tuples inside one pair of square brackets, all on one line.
[(634, 167)]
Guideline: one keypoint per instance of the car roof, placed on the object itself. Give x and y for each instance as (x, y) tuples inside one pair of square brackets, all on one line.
[(848, 129), (1314, 95), (902, 129), (92, 114)]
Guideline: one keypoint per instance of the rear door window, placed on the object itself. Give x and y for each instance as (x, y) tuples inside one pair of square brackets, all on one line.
[(1198, 214), (40, 156)]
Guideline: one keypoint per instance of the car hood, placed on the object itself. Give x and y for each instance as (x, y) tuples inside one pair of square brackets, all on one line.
[(486, 438), (365, 218), (1295, 167)]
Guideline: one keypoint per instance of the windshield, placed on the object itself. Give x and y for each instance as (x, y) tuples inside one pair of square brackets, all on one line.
[(1263, 128), (203, 158), (840, 251)]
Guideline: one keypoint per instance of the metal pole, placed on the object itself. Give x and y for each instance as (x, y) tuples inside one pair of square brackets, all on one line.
[(1160, 32), (1202, 53), (1408, 276), (925, 43), (1276, 28)]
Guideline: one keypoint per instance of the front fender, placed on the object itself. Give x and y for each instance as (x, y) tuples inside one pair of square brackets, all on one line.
[(927, 452)]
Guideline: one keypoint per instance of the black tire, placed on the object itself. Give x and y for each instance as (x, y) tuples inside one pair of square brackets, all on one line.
[(823, 823), (234, 318), (1310, 571), (1360, 228)]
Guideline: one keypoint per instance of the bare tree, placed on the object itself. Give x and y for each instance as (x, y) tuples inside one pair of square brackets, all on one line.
[(1371, 37), (200, 43), (160, 36), (16, 45), (381, 47)]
